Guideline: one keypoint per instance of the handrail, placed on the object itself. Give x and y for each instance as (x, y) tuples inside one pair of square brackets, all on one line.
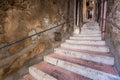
[(117, 26), (24, 38)]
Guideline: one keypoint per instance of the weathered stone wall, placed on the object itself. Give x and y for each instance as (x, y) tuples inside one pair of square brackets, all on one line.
[(21, 18), (113, 34)]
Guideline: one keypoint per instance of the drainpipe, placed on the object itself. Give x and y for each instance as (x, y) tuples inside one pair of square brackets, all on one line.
[(101, 17), (104, 19), (99, 11), (75, 1), (78, 17)]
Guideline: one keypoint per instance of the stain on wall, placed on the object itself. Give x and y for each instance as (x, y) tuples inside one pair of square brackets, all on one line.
[(112, 33), (21, 18)]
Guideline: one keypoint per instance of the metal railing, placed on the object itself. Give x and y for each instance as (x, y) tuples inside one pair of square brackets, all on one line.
[(24, 38)]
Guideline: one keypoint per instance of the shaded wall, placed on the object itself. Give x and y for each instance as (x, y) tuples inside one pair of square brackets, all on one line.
[(112, 33), (21, 18)]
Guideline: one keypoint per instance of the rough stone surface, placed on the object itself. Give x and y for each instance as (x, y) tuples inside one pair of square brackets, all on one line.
[(112, 33), (16, 61), (21, 18)]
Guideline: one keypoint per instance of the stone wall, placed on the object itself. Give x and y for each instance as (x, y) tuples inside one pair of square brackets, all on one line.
[(21, 18), (113, 34)]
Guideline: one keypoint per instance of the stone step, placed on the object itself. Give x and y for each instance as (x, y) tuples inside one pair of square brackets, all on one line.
[(40, 75), (89, 42), (96, 48), (28, 77), (97, 29), (56, 72), (86, 55), (91, 27), (86, 38), (87, 35), (91, 31), (88, 69)]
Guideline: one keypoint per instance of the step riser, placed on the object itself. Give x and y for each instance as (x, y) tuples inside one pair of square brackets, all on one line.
[(90, 48), (90, 31), (88, 35), (89, 28), (86, 38), (27, 77), (92, 28), (86, 56), (39, 75), (86, 42), (85, 71)]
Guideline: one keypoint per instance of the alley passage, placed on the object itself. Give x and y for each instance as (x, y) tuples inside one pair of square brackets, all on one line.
[(83, 56)]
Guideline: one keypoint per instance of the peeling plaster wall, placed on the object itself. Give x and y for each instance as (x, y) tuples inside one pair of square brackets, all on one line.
[(112, 33), (21, 18)]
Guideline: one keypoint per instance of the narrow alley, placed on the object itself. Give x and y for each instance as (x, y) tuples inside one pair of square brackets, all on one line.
[(59, 40)]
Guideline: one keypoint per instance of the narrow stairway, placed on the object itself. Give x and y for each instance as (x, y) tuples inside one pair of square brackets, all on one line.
[(82, 57)]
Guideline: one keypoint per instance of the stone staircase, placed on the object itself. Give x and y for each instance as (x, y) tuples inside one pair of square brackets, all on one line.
[(84, 56)]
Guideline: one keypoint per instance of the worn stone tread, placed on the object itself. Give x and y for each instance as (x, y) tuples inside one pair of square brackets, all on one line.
[(97, 48), (87, 35), (86, 63), (86, 45), (89, 52), (28, 77), (104, 58), (86, 38), (59, 73), (90, 42)]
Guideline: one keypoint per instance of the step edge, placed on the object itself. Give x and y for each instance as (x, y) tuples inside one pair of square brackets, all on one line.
[(38, 75), (78, 53), (85, 42), (108, 74), (106, 49)]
